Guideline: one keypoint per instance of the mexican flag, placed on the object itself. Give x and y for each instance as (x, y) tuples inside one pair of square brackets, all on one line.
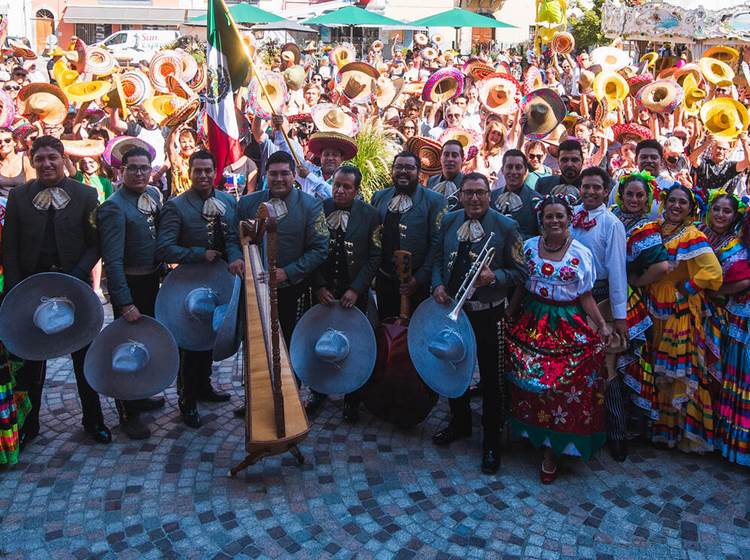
[(227, 66)]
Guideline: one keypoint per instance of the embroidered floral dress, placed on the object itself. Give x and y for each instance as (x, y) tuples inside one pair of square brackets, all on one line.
[(14, 406), (732, 320), (679, 339), (644, 248), (557, 390)]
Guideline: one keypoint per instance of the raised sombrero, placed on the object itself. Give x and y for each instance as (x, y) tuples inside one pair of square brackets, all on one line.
[(119, 146), (533, 80), (478, 69), (293, 50), (443, 85), (83, 92), (728, 55), (276, 90), (466, 137), (661, 96), (332, 118), (136, 87), (544, 110), (498, 93), (162, 65), (632, 129), (189, 65), (21, 50), (90, 147), (333, 140), (200, 80), (386, 91), (342, 55), (171, 110), (44, 100), (356, 80), (62, 74), (179, 88), (99, 61), (428, 152)]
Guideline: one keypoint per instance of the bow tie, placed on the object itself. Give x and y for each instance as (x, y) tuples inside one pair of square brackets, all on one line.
[(400, 203), (56, 197), (446, 188), (508, 202), (470, 230), (581, 220), (338, 219), (147, 205), (213, 208), (279, 207)]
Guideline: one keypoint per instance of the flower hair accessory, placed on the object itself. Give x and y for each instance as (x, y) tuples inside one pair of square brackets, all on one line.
[(566, 200), (649, 182), (742, 202), (699, 205)]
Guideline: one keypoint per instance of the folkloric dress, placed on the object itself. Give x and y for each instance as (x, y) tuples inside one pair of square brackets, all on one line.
[(557, 359), (644, 248), (679, 342), (732, 317), (14, 406)]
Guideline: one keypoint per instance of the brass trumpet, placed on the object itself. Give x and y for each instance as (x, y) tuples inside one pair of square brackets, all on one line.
[(467, 287)]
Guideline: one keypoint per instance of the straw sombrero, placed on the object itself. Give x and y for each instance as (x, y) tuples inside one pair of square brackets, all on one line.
[(162, 65), (20, 50), (443, 85), (333, 140), (356, 80), (44, 100), (90, 147), (609, 58), (189, 65), (99, 61), (294, 77), (421, 39), (332, 118), (386, 91), (478, 69), (562, 42), (544, 110), (276, 89), (342, 55), (171, 110), (466, 137), (293, 49), (497, 93), (661, 96), (428, 152)]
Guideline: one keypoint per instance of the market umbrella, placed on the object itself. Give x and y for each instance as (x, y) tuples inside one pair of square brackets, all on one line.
[(285, 25), (351, 16), (245, 13), (458, 18)]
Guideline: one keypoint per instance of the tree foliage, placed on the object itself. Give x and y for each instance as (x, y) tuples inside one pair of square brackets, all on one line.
[(587, 29)]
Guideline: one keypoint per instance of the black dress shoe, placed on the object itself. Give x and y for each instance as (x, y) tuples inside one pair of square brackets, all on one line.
[(191, 417), (450, 434), (490, 460), (145, 405), (99, 433), (314, 402), (239, 412), (134, 427), (351, 412), (618, 449), (210, 395)]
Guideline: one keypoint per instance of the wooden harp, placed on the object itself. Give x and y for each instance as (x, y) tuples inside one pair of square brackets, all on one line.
[(275, 420)]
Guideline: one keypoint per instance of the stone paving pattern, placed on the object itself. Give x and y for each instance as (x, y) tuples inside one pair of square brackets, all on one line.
[(365, 491)]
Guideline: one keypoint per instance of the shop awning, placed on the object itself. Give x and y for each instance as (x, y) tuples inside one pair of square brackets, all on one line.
[(132, 15)]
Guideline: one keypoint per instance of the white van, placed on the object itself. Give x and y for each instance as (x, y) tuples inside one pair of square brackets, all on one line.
[(136, 45)]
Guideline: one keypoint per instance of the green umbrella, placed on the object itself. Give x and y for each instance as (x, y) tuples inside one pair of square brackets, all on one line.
[(351, 16), (245, 13), (458, 18)]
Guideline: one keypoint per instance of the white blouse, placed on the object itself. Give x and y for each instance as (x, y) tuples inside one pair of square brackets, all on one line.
[(565, 280)]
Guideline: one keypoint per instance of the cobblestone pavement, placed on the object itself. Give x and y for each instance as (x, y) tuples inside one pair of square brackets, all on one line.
[(369, 491)]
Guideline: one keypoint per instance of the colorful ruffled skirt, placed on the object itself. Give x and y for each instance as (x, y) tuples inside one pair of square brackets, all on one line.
[(733, 419), (557, 390), (683, 384), (634, 364), (14, 406)]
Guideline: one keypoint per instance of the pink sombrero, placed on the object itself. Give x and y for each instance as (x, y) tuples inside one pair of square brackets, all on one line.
[(443, 85), (118, 146), (277, 91)]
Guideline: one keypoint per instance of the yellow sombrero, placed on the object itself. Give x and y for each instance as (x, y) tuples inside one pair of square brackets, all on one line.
[(693, 95), (724, 117), (723, 53), (82, 92), (611, 86), (716, 71), (62, 74), (171, 110)]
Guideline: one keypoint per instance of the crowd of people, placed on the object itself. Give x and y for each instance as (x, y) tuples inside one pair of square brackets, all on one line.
[(617, 300)]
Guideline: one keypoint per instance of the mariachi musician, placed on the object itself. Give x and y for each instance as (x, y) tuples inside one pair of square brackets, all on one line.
[(353, 253), (199, 225), (127, 236), (463, 233), (411, 216), (49, 227), (302, 238)]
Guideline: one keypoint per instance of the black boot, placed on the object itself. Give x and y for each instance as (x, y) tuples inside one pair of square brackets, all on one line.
[(189, 412), (451, 433), (130, 421)]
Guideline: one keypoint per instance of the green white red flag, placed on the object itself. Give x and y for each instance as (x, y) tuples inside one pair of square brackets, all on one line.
[(227, 66)]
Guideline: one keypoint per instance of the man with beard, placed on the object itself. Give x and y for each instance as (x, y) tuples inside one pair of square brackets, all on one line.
[(199, 225), (127, 234), (302, 243), (517, 200), (317, 181), (411, 216), (451, 162), (353, 253), (49, 227), (570, 160), (463, 233)]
